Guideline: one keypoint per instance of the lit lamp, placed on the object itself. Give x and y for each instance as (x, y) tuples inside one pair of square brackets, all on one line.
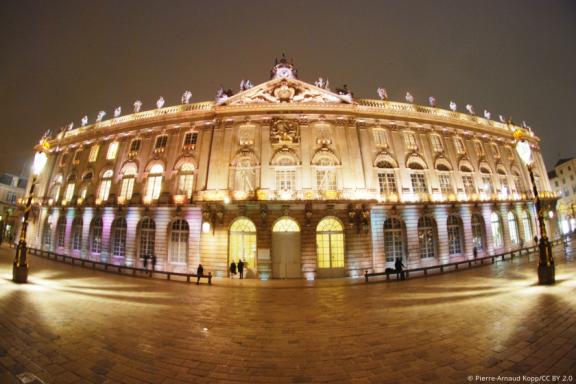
[(546, 269), (20, 267)]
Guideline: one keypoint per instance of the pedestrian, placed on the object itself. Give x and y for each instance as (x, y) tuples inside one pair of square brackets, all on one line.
[(241, 268), (475, 252), (199, 273), (232, 269), (146, 257), (535, 239), (153, 264), (399, 272)]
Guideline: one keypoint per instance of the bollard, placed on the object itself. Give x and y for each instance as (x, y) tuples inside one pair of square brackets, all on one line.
[(210, 278)]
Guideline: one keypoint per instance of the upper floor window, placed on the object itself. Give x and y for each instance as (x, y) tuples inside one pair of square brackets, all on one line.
[(410, 140), (326, 174), (154, 183), (186, 180), (479, 148), (190, 140), (380, 139), (94, 153), (459, 145), (76, 159), (128, 178), (112, 150), (509, 153), (135, 147), (495, 150), (63, 159), (468, 180), (445, 180), (418, 178), (161, 142), (437, 145), (105, 185), (69, 194)]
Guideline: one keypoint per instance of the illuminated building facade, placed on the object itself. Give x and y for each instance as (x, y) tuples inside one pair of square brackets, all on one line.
[(563, 182), (297, 180)]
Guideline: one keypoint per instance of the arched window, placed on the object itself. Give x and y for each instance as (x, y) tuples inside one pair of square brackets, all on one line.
[(154, 184), (61, 232), (478, 232), (330, 243), (496, 225), (386, 177), (128, 177), (427, 237), (286, 225), (55, 192), (77, 234), (179, 241), (526, 223), (244, 175), (285, 174), (513, 228), (46, 235), (325, 172), (454, 226), (518, 184), (418, 178), (487, 185), (105, 184), (147, 238), (186, 180), (445, 178), (70, 188), (504, 188), (467, 180), (393, 239), (96, 235), (119, 228), (243, 241)]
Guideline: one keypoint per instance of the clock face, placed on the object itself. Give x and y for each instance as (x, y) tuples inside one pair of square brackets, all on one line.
[(284, 72)]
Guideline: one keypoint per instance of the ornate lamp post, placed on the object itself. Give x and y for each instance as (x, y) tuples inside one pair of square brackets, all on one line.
[(20, 267), (546, 269)]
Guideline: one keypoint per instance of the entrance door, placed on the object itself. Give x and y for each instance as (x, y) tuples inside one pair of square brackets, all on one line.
[(286, 249)]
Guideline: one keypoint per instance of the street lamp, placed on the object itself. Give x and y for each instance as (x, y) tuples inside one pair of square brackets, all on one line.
[(546, 269), (20, 267)]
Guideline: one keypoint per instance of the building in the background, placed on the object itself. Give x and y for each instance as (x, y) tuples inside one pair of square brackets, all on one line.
[(563, 182), (293, 178), (12, 190)]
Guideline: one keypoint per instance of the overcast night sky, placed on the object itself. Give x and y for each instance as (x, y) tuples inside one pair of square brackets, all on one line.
[(64, 59)]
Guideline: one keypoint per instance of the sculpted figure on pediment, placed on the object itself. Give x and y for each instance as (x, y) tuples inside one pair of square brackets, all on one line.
[(284, 132)]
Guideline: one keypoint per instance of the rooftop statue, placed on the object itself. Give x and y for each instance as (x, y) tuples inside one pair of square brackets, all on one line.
[(100, 116), (186, 96), (382, 94), (160, 102), (118, 111), (409, 97), (71, 126), (321, 83), (84, 120), (470, 109), (137, 106), (487, 114), (453, 106), (223, 94), (432, 101), (502, 119)]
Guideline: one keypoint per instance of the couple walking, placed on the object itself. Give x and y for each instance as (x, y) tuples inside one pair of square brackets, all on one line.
[(240, 268)]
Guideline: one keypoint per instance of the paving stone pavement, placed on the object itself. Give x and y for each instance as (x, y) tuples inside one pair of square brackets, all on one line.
[(74, 325)]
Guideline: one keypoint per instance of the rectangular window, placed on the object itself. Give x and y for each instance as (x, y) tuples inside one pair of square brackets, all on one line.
[(161, 142), (76, 159), (445, 183), (495, 150), (69, 192), (380, 137), (410, 141), (285, 179), (487, 184), (135, 146), (437, 144), (11, 197), (154, 187), (112, 150), (418, 183), (459, 145), (509, 153), (186, 184), (387, 182), (479, 148), (127, 188), (326, 179), (104, 190), (468, 182), (504, 184), (94, 153), (63, 159), (190, 140)]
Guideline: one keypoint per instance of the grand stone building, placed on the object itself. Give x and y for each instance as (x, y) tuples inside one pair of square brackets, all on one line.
[(296, 180)]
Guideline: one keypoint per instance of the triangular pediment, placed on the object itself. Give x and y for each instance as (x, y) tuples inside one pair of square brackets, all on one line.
[(283, 90)]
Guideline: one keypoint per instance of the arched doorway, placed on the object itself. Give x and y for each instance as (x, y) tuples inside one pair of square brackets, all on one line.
[(243, 245), (286, 249), (330, 247)]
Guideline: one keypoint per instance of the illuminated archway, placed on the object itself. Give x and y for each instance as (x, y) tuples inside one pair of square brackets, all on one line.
[(243, 242), (330, 243)]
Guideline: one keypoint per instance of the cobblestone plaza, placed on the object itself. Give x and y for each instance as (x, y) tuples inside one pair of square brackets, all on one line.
[(74, 325)]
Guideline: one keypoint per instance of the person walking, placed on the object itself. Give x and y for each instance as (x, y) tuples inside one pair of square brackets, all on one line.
[(399, 272), (199, 273), (475, 252), (232, 269), (241, 268)]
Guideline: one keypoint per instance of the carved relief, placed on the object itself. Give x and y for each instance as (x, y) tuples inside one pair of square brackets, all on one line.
[(284, 132)]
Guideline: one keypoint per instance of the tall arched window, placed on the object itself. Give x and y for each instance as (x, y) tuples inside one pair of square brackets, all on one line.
[(285, 174), (119, 228), (55, 192), (427, 237), (128, 177), (386, 177), (454, 226), (61, 232), (487, 185), (513, 228), (496, 225), (478, 232), (243, 241), (154, 183), (244, 175), (186, 180), (86, 181), (46, 235), (393, 239), (418, 178), (468, 180), (179, 241), (527, 225), (325, 172), (77, 234), (96, 235), (330, 243), (147, 238), (445, 178), (71, 184), (105, 185)]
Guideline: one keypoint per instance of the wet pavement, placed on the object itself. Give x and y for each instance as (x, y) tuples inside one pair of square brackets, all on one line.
[(75, 325)]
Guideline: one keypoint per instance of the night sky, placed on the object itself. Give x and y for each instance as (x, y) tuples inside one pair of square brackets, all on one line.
[(61, 60)]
